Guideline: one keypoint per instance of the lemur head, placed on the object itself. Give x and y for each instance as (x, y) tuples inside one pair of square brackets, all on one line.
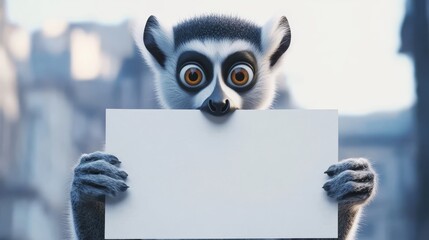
[(215, 63)]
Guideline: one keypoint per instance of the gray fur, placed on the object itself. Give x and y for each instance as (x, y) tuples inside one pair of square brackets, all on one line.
[(97, 175), (216, 27), (351, 164), (352, 181), (227, 38)]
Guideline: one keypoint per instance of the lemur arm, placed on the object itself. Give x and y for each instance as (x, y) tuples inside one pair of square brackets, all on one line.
[(88, 217), (352, 183), (96, 176), (348, 219)]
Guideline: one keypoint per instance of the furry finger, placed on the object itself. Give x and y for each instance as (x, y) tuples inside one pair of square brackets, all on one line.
[(85, 158), (351, 192), (101, 167), (349, 175), (348, 164), (110, 185)]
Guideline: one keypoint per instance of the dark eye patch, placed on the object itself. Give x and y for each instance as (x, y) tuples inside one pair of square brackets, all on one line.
[(240, 57), (198, 59)]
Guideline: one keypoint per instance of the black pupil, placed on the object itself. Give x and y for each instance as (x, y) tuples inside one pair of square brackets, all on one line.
[(193, 75), (239, 75)]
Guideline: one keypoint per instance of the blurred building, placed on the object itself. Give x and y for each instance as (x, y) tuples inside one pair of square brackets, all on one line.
[(9, 120), (64, 83), (388, 141)]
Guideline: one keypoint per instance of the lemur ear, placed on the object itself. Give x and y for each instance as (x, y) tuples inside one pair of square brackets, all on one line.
[(276, 38), (157, 40)]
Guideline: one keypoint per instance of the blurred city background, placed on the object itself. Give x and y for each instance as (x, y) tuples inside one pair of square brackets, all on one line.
[(62, 63)]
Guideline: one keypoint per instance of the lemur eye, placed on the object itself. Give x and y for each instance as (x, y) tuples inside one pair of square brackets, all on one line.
[(192, 75), (240, 75)]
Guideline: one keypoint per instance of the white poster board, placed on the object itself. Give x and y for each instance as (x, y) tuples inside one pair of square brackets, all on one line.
[(254, 174)]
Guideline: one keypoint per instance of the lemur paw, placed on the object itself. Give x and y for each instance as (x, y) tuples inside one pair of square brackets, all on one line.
[(352, 181), (98, 175)]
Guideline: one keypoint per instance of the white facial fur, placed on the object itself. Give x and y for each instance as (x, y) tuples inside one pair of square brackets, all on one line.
[(171, 95)]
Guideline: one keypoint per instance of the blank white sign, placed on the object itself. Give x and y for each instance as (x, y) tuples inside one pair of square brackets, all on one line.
[(253, 174)]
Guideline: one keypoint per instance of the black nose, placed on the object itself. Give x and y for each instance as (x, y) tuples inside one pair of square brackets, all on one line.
[(217, 108)]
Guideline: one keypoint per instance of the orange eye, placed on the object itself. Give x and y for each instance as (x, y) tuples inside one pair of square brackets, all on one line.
[(241, 75), (191, 75)]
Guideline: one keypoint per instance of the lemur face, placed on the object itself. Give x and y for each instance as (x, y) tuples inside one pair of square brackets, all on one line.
[(215, 63)]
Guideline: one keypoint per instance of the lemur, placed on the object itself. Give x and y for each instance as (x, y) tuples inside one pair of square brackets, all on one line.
[(216, 64)]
